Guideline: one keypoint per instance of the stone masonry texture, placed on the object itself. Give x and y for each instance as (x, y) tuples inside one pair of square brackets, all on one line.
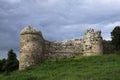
[(34, 48)]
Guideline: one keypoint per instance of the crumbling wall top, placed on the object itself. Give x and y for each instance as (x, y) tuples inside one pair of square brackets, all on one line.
[(30, 30)]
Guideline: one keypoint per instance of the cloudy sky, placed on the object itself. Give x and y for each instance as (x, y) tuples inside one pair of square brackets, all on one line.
[(57, 19)]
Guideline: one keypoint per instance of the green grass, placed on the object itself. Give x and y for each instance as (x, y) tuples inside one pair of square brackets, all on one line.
[(106, 67)]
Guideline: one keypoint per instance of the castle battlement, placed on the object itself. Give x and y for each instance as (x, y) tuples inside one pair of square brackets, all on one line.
[(34, 48)]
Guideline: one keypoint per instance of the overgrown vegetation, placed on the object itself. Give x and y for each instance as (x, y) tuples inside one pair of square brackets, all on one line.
[(106, 67)]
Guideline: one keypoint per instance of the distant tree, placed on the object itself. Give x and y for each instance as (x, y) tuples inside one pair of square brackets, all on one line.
[(115, 35), (12, 63), (2, 63), (108, 48)]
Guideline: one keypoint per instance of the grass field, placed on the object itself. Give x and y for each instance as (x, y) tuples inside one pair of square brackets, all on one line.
[(106, 67)]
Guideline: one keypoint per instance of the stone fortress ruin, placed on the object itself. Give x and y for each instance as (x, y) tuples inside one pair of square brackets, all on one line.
[(34, 48)]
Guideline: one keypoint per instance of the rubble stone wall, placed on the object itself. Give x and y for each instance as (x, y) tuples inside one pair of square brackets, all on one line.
[(31, 47), (34, 48), (64, 48)]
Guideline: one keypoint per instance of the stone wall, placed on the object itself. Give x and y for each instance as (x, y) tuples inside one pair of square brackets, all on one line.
[(91, 44), (33, 48), (64, 48)]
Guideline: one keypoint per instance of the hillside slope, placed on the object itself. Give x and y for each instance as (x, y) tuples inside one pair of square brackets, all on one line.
[(106, 67)]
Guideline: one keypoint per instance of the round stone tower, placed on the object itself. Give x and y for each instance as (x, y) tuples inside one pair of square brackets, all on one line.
[(31, 47)]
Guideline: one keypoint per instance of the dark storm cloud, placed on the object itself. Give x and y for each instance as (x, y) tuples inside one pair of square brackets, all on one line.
[(57, 19)]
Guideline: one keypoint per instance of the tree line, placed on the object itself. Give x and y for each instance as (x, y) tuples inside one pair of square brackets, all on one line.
[(115, 35), (112, 46), (10, 64)]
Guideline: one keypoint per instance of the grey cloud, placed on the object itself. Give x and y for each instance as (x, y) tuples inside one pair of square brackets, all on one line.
[(57, 19)]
